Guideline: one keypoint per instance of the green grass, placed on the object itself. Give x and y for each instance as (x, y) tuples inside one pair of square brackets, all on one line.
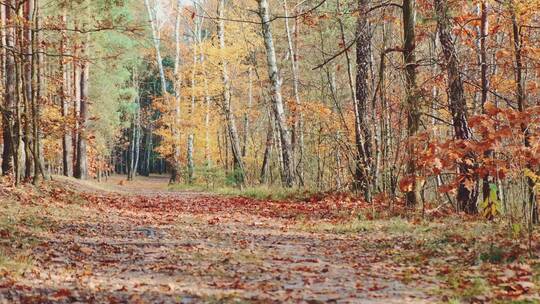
[(485, 245), (19, 227), (256, 192), (476, 288), (394, 226), (25, 225), (266, 193), (16, 263)]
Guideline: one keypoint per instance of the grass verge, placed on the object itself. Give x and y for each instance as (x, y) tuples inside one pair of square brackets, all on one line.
[(472, 261), (28, 216), (255, 192)]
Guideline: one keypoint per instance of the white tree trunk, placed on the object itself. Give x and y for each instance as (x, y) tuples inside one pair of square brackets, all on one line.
[(227, 108), (279, 112), (297, 140), (156, 40)]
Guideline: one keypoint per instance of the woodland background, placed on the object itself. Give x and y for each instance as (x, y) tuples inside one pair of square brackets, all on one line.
[(424, 103)]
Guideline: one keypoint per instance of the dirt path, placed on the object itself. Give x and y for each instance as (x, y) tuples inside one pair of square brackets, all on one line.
[(154, 246)]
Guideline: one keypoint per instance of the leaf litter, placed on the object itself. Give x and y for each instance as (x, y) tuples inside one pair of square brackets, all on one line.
[(179, 247)]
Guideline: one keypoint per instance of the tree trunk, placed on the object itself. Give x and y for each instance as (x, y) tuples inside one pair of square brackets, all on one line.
[(265, 168), (3, 110), (148, 146), (191, 136), (18, 144), (483, 34), (8, 126), (65, 96), (156, 38), (190, 162), (207, 106), (277, 100), (37, 58), (363, 180), (207, 101), (297, 140), (27, 61), (413, 113), (467, 190), (246, 114), (76, 81), (522, 104), (227, 107), (131, 150), (175, 170), (137, 147), (81, 165)]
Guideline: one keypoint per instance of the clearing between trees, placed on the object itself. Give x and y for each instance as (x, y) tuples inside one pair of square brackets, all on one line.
[(137, 242)]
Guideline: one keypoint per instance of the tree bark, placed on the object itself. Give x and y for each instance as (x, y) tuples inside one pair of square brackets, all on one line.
[(37, 58), (137, 134), (3, 110), (467, 194), (277, 99), (76, 88), (156, 38), (483, 34), (81, 165), (227, 107), (27, 62), (8, 126), (363, 180), (246, 114), (207, 100), (65, 97), (157, 42), (297, 139), (191, 136), (175, 170), (413, 113), (522, 103), (136, 128), (265, 168)]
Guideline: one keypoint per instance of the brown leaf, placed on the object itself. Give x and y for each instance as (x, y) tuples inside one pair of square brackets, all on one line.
[(62, 293)]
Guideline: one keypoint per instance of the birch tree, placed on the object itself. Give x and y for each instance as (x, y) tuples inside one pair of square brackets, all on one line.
[(156, 38), (297, 137), (277, 99), (227, 107)]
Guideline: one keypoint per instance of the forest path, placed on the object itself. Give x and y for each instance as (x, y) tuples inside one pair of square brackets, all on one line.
[(155, 246)]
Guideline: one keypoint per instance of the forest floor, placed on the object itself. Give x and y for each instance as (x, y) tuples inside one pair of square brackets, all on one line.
[(136, 242)]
